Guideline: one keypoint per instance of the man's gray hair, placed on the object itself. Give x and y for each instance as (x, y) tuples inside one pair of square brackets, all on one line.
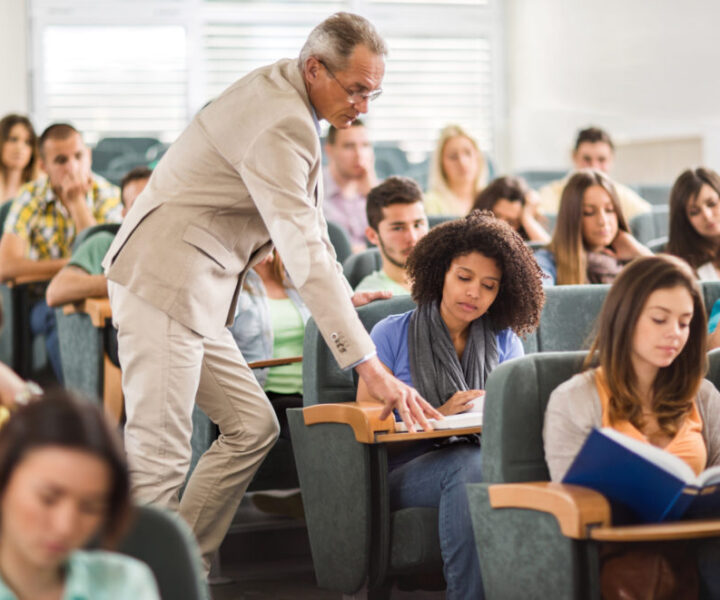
[(334, 40)]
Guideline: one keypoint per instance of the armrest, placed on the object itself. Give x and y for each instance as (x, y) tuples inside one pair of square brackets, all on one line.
[(583, 513), (576, 508), (363, 418), (98, 309), (274, 362), (368, 427), (655, 532), (24, 279)]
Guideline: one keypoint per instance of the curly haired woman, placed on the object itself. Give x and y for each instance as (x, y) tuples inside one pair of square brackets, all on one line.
[(477, 287)]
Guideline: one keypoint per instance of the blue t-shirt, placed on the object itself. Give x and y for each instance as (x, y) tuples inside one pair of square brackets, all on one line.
[(390, 336), (714, 317)]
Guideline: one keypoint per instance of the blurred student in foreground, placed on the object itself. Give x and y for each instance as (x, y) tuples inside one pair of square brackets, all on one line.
[(63, 483)]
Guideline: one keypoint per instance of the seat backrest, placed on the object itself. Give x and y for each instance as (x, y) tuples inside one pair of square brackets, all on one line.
[(652, 225), (516, 395), (657, 245), (165, 543), (537, 178), (323, 380), (360, 265), (569, 316), (390, 159), (90, 231), (657, 195), (4, 210), (711, 292), (340, 240), (434, 220)]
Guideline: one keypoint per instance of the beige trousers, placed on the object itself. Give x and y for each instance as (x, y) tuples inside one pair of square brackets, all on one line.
[(166, 368)]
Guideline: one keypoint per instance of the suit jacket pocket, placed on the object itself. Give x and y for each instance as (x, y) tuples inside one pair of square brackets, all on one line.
[(208, 244)]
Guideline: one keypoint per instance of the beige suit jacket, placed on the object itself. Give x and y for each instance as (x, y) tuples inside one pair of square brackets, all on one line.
[(246, 171)]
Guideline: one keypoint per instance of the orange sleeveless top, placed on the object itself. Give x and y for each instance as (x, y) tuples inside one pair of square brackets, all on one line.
[(688, 443)]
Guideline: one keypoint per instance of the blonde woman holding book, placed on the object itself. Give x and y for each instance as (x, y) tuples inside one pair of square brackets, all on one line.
[(644, 377)]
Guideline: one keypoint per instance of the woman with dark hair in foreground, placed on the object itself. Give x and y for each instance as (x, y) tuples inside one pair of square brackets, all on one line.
[(63, 483)]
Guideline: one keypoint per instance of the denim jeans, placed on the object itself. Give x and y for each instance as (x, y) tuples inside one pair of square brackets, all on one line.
[(42, 321), (437, 479)]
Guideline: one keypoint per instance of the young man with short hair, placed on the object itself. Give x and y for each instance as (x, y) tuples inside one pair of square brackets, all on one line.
[(348, 178), (594, 150), (396, 221)]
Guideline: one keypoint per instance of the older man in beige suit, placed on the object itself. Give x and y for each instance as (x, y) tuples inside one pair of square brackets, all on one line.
[(243, 176)]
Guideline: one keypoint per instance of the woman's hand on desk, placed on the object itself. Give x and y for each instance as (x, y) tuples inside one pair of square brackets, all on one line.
[(460, 402), (394, 394)]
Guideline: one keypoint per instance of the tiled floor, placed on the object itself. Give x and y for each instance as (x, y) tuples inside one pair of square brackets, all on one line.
[(268, 558)]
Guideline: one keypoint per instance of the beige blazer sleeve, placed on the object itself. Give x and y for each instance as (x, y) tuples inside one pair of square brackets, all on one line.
[(275, 170)]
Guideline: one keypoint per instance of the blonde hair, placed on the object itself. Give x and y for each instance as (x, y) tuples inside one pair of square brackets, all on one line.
[(438, 182)]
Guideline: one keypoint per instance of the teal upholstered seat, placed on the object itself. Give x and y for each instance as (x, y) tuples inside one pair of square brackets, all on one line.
[(523, 553), (360, 265), (434, 220), (340, 240), (81, 353), (657, 195), (164, 542), (354, 538), (567, 319), (652, 225)]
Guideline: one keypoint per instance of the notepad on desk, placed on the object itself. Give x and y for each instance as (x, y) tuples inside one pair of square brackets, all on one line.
[(459, 421), (655, 484)]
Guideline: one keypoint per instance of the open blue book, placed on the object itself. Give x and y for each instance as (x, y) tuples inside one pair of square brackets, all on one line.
[(654, 484)]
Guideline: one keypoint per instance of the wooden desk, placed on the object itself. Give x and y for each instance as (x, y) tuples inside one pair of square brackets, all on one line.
[(99, 311)]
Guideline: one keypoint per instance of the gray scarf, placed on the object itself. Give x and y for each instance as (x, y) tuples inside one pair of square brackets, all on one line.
[(434, 366)]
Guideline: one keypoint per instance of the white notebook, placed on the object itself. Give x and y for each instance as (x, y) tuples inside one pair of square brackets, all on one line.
[(466, 419)]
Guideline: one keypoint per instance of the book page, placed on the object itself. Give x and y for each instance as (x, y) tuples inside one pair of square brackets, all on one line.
[(709, 476), (467, 419)]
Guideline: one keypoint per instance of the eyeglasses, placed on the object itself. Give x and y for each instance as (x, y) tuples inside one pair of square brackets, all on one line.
[(355, 97)]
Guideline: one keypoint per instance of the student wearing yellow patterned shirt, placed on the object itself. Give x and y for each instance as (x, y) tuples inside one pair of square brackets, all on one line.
[(48, 213)]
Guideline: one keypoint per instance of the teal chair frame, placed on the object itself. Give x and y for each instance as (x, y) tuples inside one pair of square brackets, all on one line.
[(355, 539), (164, 542)]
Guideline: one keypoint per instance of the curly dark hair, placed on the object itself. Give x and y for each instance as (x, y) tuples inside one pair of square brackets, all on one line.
[(520, 300)]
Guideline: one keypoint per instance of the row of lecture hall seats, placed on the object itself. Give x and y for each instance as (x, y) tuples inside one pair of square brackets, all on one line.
[(544, 541), (88, 345), (370, 545), (114, 156)]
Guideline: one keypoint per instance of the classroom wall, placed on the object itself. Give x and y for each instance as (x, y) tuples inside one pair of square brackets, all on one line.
[(13, 57), (644, 70)]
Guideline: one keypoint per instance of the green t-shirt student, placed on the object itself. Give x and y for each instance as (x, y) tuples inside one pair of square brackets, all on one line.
[(91, 252)]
